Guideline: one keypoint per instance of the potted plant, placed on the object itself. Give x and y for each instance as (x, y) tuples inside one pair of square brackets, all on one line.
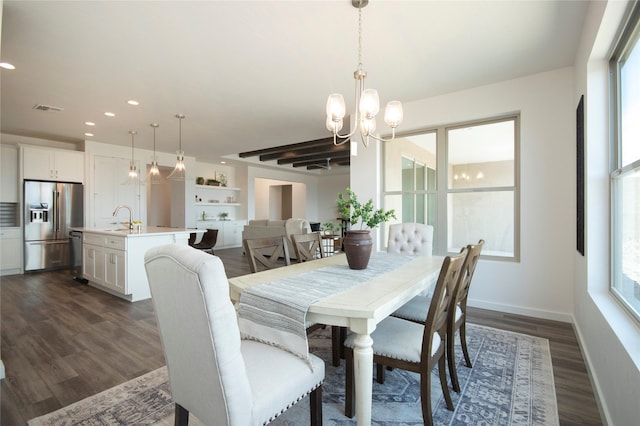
[(331, 228), (357, 243), (223, 215)]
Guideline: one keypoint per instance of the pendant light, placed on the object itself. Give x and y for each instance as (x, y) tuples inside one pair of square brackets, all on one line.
[(133, 172), (154, 171), (179, 170), (367, 103)]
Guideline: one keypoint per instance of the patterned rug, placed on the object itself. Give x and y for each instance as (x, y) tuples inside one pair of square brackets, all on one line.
[(511, 383)]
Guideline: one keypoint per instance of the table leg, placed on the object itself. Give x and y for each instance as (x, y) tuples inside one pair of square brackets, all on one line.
[(363, 372)]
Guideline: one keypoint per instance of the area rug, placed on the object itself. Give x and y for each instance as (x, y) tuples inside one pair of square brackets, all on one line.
[(511, 383)]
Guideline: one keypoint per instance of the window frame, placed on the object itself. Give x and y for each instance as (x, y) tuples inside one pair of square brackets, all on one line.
[(627, 42), (442, 190)]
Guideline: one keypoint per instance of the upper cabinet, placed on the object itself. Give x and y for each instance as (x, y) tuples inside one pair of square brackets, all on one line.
[(52, 164), (9, 178)]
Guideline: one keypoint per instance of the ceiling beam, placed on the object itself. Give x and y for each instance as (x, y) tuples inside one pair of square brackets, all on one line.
[(290, 147), (316, 157), (340, 161), (330, 150)]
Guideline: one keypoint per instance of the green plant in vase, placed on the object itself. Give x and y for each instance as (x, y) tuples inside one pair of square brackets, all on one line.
[(358, 243), (223, 215)]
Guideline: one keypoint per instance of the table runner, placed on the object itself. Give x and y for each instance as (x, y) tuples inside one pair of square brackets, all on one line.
[(275, 312)]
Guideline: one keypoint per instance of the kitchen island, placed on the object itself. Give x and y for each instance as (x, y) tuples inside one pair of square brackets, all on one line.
[(113, 259)]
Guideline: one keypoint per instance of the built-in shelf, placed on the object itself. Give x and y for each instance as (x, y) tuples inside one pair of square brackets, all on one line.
[(222, 188), (217, 204)]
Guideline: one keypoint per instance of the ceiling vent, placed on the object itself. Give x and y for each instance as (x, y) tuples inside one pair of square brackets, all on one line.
[(43, 107)]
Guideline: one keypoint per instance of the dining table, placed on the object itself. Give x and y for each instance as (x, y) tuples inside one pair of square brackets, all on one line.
[(358, 304)]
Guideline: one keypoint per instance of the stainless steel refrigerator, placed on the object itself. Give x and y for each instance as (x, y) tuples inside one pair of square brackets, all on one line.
[(50, 210)]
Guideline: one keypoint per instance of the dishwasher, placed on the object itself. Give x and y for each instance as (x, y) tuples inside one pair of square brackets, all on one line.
[(75, 237)]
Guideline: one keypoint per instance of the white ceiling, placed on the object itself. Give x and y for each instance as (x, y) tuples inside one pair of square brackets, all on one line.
[(255, 74)]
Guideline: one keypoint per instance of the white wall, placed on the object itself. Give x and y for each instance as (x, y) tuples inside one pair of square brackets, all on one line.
[(540, 284), (609, 337), (257, 199), (330, 186)]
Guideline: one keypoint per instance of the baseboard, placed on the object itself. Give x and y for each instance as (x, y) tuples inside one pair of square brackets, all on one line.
[(595, 384), (521, 310)]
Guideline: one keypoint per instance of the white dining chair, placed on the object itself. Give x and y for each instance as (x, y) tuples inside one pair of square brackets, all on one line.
[(213, 373), (410, 238)]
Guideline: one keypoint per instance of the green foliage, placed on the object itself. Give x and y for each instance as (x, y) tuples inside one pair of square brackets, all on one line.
[(351, 209), (332, 227)]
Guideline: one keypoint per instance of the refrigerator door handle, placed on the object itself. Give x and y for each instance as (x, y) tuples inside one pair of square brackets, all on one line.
[(56, 215), (46, 243)]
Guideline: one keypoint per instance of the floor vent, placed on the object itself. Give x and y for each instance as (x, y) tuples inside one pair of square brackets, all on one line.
[(43, 107)]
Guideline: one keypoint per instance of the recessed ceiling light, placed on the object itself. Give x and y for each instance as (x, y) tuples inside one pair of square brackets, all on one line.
[(90, 123), (133, 102), (7, 66), (223, 162), (88, 134), (109, 114)]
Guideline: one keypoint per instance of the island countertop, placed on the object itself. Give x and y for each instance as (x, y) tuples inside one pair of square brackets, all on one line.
[(144, 231)]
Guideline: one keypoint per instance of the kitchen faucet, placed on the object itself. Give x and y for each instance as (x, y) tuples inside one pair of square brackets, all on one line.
[(115, 212)]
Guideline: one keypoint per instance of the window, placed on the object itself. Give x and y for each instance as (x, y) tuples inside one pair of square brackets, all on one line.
[(410, 178), (625, 176), (472, 195)]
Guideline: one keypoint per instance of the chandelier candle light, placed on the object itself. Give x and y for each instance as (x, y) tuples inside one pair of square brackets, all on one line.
[(367, 103), (178, 172), (154, 171)]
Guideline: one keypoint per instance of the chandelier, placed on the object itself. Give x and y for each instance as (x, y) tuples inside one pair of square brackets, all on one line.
[(154, 171), (178, 172), (367, 103)]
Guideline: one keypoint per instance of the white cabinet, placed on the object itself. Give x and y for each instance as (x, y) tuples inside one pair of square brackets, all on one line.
[(10, 251), (52, 164), (109, 189), (104, 261), (114, 261), (229, 231), (9, 178)]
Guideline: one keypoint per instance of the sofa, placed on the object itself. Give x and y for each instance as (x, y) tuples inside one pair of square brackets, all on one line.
[(262, 228)]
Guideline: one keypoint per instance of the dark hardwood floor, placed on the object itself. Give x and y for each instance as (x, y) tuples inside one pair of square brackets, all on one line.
[(62, 341)]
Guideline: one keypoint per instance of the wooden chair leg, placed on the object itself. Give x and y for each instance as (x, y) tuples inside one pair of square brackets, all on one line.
[(425, 397), (463, 343), (442, 365), (349, 388), (380, 373), (315, 406), (451, 361), (336, 345), (181, 417), (343, 337)]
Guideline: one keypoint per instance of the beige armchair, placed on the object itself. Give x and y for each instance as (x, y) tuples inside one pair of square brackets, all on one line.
[(213, 373)]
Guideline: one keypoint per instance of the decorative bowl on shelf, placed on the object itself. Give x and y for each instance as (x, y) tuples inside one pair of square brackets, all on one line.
[(213, 182)]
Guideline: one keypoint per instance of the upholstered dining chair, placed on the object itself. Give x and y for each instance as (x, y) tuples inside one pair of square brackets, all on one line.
[(307, 246), (208, 241), (410, 346), (415, 310), (213, 373), (410, 238), (264, 253)]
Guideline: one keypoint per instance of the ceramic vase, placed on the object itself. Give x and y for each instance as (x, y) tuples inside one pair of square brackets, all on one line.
[(357, 247)]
